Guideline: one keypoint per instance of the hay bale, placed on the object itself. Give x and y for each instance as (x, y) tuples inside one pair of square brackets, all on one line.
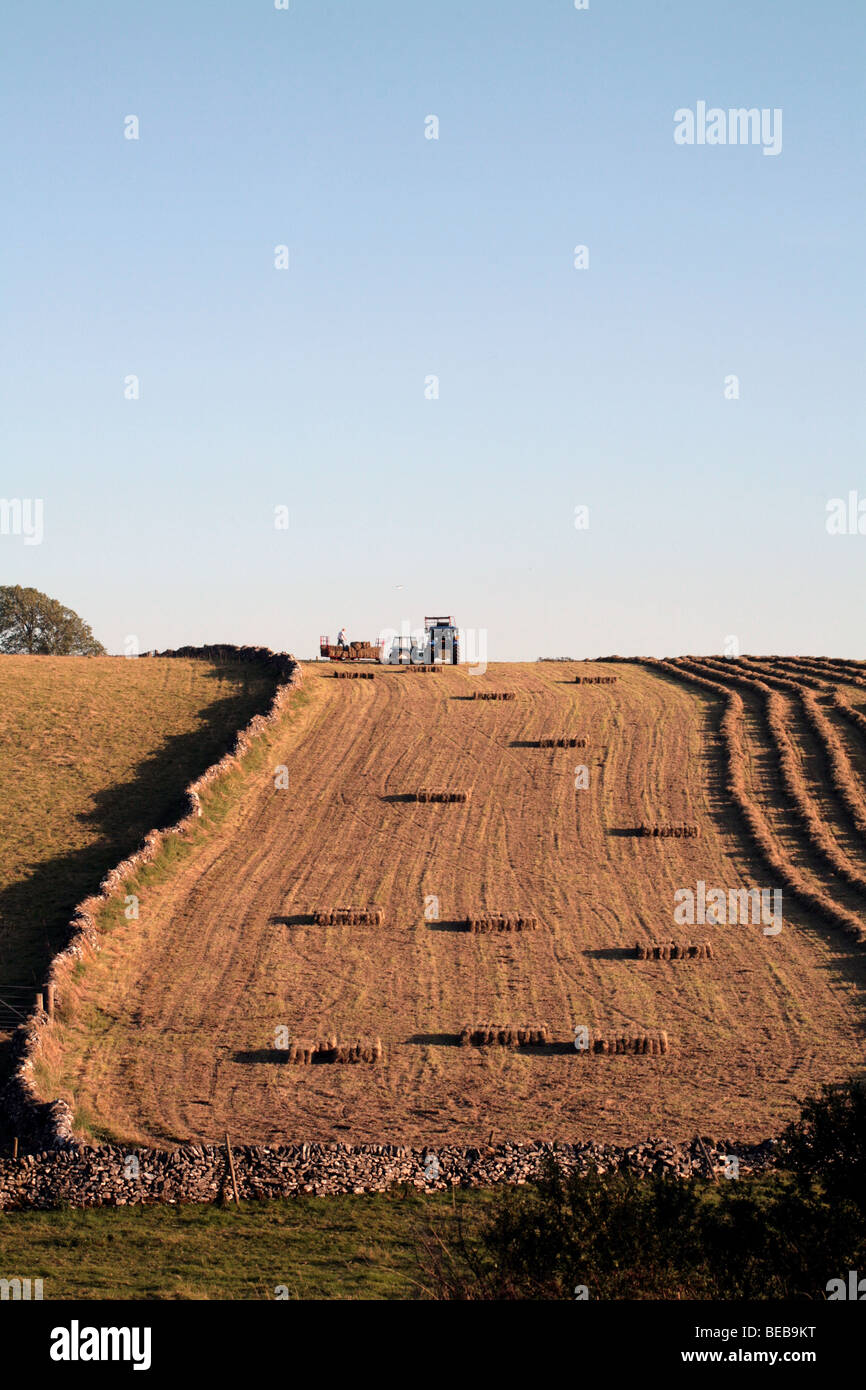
[(492, 695), (301, 1051), (628, 1044), (674, 950), (350, 917), (505, 1035), (426, 795), (668, 832), (501, 922)]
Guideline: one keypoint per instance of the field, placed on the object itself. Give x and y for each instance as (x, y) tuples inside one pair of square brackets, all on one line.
[(314, 1247), (169, 1033), (93, 754)]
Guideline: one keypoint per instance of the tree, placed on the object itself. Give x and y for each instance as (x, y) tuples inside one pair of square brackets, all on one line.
[(32, 622), (826, 1146)]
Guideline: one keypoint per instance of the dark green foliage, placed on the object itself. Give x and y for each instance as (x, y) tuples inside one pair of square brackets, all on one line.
[(36, 625)]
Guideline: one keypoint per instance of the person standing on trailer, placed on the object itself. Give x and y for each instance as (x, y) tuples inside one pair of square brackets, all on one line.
[(342, 640)]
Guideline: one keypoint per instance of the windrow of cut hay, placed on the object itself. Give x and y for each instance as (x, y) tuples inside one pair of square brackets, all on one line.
[(686, 831), (493, 695), (353, 675), (672, 950), (500, 922), (842, 777), (829, 670), (596, 680), (786, 670), (329, 1049), (839, 702), (731, 730), (505, 1035), (425, 794), (581, 741), (350, 917)]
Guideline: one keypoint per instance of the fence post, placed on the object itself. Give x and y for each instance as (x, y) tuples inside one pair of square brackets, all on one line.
[(232, 1169)]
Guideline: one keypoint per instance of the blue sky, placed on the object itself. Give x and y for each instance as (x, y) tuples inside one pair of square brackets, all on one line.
[(411, 257)]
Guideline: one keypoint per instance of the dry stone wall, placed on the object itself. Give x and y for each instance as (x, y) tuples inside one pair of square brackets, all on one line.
[(112, 1176)]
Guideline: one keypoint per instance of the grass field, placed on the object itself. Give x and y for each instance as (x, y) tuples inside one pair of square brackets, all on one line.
[(93, 754), (317, 1247), (168, 1034)]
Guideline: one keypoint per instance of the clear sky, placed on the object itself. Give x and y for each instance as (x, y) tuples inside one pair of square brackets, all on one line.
[(453, 257)]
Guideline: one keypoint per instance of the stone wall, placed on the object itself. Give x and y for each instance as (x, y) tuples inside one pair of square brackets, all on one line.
[(112, 1176), (46, 1125)]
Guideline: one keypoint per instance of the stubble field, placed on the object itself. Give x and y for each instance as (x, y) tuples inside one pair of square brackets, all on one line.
[(170, 1035)]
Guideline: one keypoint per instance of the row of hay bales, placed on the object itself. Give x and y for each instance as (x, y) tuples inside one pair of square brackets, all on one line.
[(505, 1035), (672, 950), (634, 1044), (492, 695), (579, 742), (671, 832), (500, 922), (540, 1035), (596, 680), (425, 794), (795, 783), (731, 729), (350, 917), (357, 651), (329, 1049), (353, 675), (425, 670)]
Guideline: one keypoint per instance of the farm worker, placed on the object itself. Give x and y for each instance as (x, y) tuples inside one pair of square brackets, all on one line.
[(341, 639)]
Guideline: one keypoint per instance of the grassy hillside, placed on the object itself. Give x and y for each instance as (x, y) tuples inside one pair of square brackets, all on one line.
[(93, 754)]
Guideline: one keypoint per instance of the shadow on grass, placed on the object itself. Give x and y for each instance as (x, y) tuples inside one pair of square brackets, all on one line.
[(35, 911)]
